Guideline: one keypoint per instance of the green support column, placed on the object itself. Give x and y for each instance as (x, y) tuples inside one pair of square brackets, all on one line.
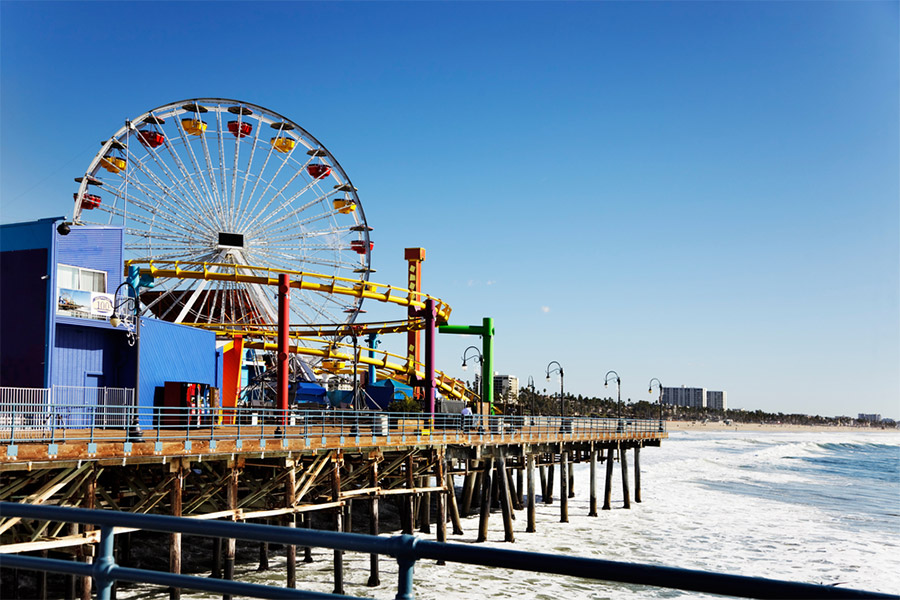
[(486, 331)]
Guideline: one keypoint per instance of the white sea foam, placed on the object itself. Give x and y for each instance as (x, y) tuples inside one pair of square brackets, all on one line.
[(715, 502)]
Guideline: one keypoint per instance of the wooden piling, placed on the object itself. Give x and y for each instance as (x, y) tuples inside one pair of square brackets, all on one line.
[(441, 502), (543, 473), (505, 500), (637, 473), (592, 512), (485, 500), (290, 521), (623, 460), (520, 489), (571, 472), (408, 499), (231, 543), (338, 522), (175, 498), (374, 575), (563, 485), (514, 505), (216, 570), (307, 550), (607, 494), (90, 495), (548, 499), (424, 507), (263, 554), (468, 488), (454, 509), (530, 527)]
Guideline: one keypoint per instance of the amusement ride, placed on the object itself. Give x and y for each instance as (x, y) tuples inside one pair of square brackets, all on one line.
[(219, 200)]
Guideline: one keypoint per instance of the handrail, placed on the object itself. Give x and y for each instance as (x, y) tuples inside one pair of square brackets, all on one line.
[(49, 422), (405, 549)]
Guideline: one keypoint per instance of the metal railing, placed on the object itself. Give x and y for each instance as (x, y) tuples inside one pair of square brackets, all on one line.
[(112, 417), (405, 549), (28, 414)]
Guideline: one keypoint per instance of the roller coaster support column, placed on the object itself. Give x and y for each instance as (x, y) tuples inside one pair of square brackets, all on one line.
[(372, 342), (284, 322), (486, 331), (429, 313)]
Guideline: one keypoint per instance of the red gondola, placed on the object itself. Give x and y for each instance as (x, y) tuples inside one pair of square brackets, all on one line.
[(318, 171), (88, 201), (359, 246), (150, 138), (240, 129)]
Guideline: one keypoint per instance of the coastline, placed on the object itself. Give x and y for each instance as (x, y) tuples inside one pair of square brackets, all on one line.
[(770, 427)]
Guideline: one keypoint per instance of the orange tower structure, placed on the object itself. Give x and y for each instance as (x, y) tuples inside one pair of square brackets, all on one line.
[(414, 257)]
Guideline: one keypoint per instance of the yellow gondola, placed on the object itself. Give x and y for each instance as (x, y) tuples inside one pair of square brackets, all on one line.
[(344, 206), (113, 164), (284, 144), (193, 126)]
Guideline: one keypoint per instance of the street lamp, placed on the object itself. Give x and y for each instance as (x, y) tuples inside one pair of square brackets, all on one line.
[(480, 357), (133, 330), (650, 391), (606, 381), (558, 369), (531, 385)]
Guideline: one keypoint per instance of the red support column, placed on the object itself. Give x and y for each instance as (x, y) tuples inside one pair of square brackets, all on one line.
[(284, 321)]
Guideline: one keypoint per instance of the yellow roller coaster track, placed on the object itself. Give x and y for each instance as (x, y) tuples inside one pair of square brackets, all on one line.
[(332, 351), (326, 284)]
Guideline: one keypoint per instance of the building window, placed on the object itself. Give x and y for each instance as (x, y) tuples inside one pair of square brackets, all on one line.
[(79, 278)]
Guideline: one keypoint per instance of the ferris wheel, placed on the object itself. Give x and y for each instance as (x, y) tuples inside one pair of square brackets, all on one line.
[(225, 183)]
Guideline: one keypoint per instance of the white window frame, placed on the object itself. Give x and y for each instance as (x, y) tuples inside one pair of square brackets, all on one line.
[(80, 286)]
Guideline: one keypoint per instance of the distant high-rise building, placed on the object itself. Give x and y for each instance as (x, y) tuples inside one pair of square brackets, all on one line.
[(872, 418), (506, 387), (716, 400), (684, 396)]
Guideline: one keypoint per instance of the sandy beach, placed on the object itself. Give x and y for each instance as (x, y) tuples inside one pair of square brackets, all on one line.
[(785, 428)]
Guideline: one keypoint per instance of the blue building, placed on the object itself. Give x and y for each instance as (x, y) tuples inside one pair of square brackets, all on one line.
[(57, 293)]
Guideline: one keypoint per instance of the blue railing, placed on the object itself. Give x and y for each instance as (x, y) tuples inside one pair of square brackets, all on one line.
[(53, 423), (405, 549)]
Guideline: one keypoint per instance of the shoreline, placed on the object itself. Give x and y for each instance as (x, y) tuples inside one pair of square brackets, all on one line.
[(771, 427)]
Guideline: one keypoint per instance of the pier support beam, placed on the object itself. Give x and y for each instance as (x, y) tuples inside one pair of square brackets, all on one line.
[(548, 499), (374, 576), (592, 512), (530, 527), (338, 524), (505, 500), (485, 500), (307, 551), (563, 485), (408, 500), (637, 473), (571, 472), (231, 543), (543, 472), (607, 493), (175, 497), (623, 459), (469, 484), (451, 498), (290, 520), (439, 479)]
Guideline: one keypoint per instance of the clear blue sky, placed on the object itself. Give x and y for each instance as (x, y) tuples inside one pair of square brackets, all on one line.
[(706, 193)]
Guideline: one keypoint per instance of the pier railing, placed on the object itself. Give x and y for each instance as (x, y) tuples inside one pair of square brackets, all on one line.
[(405, 549), (67, 416)]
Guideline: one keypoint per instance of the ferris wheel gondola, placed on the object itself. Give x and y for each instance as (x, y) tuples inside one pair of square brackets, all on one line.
[(224, 182)]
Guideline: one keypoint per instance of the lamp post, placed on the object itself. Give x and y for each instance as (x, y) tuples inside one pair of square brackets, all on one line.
[(606, 381), (480, 357), (558, 369), (650, 391), (531, 385), (134, 339)]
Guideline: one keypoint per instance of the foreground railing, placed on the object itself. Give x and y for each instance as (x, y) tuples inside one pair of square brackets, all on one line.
[(41, 420), (405, 549)]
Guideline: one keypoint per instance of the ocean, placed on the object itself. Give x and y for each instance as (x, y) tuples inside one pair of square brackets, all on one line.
[(810, 507)]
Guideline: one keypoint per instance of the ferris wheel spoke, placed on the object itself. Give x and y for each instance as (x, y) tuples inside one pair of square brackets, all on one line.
[(253, 145), (225, 200), (160, 209), (333, 233), (304, 261), (175, 204), (140, 219), (198, 171), (295, 212), (194, 196), (280, 193), (211, 177), (259, 177)]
